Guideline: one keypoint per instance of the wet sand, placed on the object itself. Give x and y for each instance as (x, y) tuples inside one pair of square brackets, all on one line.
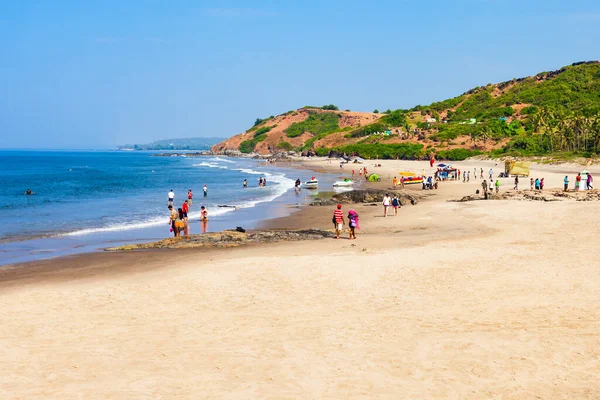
[(486, 299)]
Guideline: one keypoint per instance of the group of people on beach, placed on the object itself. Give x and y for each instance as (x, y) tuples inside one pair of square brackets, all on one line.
[(178, 219), (580, 183)]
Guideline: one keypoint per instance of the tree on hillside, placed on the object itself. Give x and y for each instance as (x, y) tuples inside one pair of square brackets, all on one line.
[(376, 111)]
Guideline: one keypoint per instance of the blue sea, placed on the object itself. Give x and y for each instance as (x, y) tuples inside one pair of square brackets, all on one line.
[(89, 200)]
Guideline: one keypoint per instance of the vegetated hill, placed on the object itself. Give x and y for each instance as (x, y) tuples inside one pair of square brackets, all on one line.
[(557, 111), (295, 130), (174, 144)]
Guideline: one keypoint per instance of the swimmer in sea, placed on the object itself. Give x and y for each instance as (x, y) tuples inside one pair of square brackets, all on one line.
[(28, 192)]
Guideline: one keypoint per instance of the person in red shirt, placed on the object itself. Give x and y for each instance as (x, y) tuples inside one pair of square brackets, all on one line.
[(185, 209), (338, 221)]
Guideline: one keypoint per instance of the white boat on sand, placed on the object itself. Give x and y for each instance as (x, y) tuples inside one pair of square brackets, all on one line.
[(312, 184), (345, 182)]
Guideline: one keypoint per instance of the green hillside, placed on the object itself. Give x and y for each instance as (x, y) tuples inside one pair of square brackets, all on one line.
[(549, 113)]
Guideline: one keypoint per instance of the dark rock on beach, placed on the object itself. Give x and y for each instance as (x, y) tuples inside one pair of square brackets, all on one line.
[(228, 238), (375, 196)]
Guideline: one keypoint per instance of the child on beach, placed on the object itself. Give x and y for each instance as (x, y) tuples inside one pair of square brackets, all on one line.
[(353, 223), (566, 181), (190, 197), (338, 220), (542, 184), (531, 183)]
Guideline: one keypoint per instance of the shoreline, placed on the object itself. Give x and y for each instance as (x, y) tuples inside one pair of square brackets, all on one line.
[(462, 300)]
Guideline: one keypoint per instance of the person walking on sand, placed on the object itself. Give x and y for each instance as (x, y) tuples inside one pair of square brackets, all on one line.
[(484, 185), (171, 197), (577, 182), (338, 221), (566, 182), (464, 176), (531, 183), (205, 188), (395, 204), (590, 181), (542, 184), (468, 176), (491, 174), (386, 203), (394, 182), (481, 174), (190, 197), (353, 223), (516, 182), (402, 182), (537, 183), (474, 173), (497, 185)]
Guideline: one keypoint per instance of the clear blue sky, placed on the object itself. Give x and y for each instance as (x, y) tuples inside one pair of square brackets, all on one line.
[(99, 73)]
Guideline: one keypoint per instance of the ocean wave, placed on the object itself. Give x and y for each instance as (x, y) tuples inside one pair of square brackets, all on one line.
[(278, 185), (219, 159), (209, 165), (156, 221)]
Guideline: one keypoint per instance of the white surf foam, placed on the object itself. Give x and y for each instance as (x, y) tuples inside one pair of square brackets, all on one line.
[(219, 159), (156, 221), (209, 165)]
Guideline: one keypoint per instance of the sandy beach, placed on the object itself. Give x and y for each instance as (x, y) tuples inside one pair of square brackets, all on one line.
[(475, 300)]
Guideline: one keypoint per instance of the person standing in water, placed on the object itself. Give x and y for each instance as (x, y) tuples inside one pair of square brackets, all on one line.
[(171, 197), (172, 219), (260, 182), (190, 197), (245, 183), (204, 219), (264, 181), (185, 209), (205, 188)]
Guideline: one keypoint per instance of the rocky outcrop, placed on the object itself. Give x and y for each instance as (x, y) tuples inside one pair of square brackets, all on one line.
[(375, 196), (537, 195), (229, 238)]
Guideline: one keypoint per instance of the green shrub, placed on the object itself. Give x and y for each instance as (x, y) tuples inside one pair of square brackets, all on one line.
[(316, 124), (456, 154), (406, 151), (330, 107), (393, 118), (263, 130), (285, 146), (530, 110), (248, 146), (376, 111)]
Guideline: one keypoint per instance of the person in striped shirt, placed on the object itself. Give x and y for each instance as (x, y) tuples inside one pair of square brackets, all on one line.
[(338, 221)]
